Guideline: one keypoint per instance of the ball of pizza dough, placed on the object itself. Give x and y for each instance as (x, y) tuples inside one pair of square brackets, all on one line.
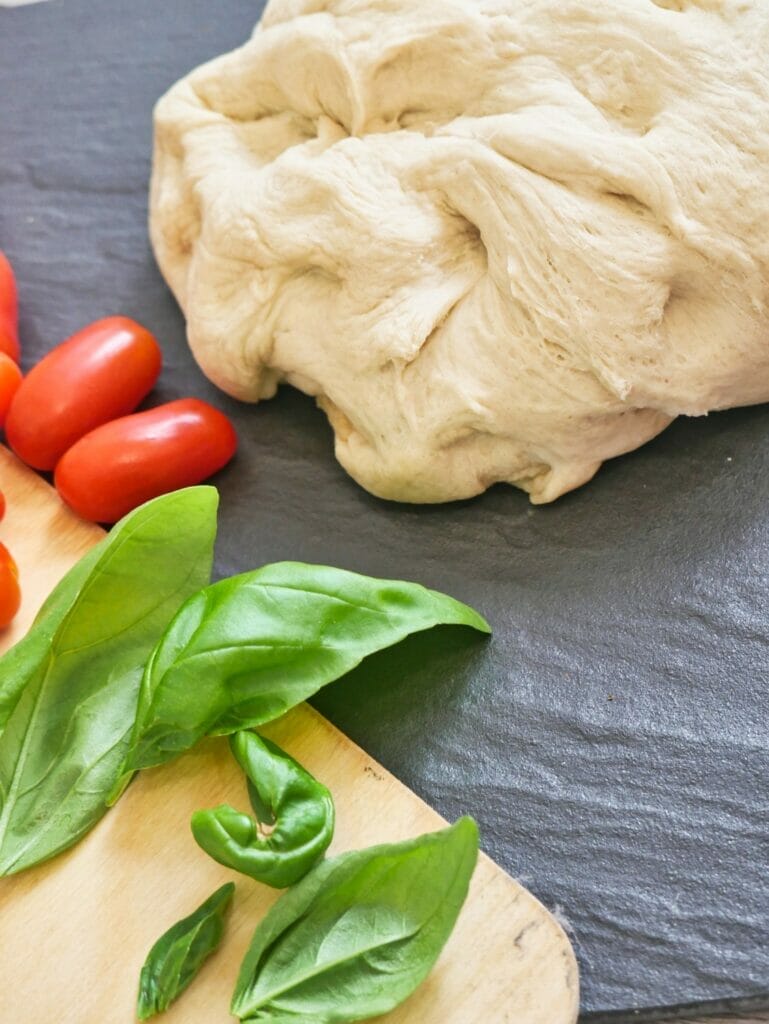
[(497, 241)]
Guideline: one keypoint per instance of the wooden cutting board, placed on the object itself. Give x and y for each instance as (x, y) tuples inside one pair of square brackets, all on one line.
[(74, 932)]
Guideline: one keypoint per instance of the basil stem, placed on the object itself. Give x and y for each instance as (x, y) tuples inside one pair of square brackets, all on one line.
[(358, 934), (69, 689), (247, 649), (296, 808), (177, 956)]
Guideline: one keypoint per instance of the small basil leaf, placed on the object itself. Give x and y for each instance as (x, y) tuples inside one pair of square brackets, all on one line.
[(358, 934), (247, 649), (71, 685), (177, 956), (283, 795)]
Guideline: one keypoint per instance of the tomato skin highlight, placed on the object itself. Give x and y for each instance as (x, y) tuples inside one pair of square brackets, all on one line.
[(101, 372), (122, 464), (10, 593), (10, 380), (9, 310)]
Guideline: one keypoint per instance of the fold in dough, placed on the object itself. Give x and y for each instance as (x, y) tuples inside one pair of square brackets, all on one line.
[(499, 240)]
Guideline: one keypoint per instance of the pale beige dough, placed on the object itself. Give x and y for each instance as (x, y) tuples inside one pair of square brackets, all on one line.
[(499, 240)]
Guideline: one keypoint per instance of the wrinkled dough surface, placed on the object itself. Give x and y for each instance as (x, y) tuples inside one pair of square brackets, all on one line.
[(499, 240)]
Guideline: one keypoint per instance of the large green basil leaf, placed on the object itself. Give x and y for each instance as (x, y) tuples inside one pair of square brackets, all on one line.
[(358, 934), (70, 688), (247, 649), (176, 958)]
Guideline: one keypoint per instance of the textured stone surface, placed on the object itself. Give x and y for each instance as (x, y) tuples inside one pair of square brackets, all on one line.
[(612, 737), (742, 1011)]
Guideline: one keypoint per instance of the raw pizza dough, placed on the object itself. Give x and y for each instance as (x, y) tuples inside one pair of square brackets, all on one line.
[(499, 240)]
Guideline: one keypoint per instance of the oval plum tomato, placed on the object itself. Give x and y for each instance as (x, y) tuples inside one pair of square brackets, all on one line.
[(10, 379), (98, 374), (126, 462), (9, 310), (10, 594)]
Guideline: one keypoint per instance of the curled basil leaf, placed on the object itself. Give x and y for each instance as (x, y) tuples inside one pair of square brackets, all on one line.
[(70, 687), (358, 934), (247, 649), (295, 808), (177, 956)]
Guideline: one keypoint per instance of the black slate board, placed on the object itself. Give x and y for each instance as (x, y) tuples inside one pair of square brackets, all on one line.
[(612, 737)]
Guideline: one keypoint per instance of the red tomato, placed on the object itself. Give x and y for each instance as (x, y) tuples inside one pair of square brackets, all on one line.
[(126, 462), (2, 506), (99, 373), (10, 594), (10, 379), (9, 310)]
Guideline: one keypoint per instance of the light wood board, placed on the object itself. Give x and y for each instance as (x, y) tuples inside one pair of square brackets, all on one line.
[(74, 932)]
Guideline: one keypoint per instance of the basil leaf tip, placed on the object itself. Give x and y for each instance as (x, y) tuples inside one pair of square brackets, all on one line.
[(177, 956), (359, 933)]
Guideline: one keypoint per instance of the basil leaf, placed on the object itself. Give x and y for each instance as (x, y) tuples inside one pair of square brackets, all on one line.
[(358, 934), (20, 661), (247, 649), (284, 795), (71, 686), (177, 956)]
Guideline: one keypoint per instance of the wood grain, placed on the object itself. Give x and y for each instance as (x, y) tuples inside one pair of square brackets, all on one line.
[(74, 932)]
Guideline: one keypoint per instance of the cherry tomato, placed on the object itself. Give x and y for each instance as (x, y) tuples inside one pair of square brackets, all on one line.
[(10, 379), (98, 374), (10, 594), (9, 310), (126, 462)]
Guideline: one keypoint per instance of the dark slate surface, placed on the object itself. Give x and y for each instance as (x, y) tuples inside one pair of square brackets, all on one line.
[(612, 737)]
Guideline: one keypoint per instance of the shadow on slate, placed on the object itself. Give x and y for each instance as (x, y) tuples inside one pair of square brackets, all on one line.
[(611, 738)]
